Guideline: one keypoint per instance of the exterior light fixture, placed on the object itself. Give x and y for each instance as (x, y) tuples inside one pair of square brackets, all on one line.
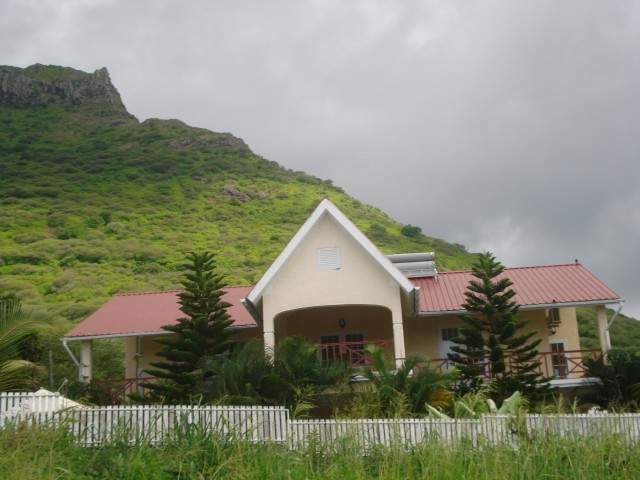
[(342, 323)]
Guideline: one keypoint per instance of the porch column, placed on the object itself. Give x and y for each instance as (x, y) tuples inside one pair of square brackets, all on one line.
[(85, 372), (398, 337), (268, 333), (603, 331)]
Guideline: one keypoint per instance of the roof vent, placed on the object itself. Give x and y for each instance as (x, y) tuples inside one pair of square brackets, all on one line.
[(414, 265)]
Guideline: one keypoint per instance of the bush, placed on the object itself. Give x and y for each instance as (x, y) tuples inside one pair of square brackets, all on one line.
[(411, 231), (620, 379), (25, 238), (72, 227), (399, 392), (378, 233)]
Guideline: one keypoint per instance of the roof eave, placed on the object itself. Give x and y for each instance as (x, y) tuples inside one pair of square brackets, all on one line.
[(538, 306), (137, 334)]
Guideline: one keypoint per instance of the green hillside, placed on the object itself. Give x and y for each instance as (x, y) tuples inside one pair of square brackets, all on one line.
[(94, 202), (625, 331)]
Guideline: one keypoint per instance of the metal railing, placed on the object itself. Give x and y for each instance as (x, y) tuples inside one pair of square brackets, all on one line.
[(558, 365), (119, 389), (350, 352)]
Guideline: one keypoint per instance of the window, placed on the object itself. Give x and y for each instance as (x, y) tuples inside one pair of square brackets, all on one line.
[(448, 334), (558, 359), (553, 320), (329, 258), (330, 348)]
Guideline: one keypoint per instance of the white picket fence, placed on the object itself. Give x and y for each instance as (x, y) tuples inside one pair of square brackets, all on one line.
[(489, 429), (156, 423)]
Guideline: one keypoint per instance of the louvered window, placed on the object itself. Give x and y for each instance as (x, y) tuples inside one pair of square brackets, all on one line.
[(329, 258)]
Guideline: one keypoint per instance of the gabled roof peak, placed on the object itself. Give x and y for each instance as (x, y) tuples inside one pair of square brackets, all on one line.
[(326, 207)]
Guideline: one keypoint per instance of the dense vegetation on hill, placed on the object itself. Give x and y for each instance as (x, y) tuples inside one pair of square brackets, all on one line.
[(95, 202), (625, 331)]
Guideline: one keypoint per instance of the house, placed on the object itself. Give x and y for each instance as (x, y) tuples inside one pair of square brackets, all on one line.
[(331, 285)]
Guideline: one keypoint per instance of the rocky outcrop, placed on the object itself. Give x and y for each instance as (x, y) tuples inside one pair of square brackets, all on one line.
[(210, 140), (40, 85), (233, 192)]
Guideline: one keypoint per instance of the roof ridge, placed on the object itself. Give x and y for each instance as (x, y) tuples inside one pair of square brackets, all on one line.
[(517, 267), (171, 290), (149, 292)]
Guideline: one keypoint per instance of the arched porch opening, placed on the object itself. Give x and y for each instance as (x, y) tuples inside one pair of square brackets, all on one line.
[(340, 331)]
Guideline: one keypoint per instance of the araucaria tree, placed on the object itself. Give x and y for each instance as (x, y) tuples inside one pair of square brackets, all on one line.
[(191, 357), (491, 341)]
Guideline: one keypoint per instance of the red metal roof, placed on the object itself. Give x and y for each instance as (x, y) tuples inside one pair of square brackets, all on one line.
[(145, 313), (537, 285)]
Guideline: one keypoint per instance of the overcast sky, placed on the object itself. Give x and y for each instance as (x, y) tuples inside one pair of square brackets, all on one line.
[(511, 126)]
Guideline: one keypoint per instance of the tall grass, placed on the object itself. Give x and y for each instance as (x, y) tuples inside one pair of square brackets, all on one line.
[(33, 453)]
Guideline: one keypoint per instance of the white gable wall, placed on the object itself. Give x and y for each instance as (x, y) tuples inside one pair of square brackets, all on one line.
[(302, 282)]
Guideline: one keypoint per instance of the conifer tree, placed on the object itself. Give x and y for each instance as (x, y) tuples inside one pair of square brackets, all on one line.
[(200, 339), (491, 340)]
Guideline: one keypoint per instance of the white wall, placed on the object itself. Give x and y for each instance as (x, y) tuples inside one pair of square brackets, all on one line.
[(300, 283)]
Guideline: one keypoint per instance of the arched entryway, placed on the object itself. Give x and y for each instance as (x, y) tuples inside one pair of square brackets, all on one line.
[(341, 331)]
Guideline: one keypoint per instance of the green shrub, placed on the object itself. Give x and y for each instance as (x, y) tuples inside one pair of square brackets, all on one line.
[(620, 379), (411, 231), (72, 227), (378, 233), (26, 238)]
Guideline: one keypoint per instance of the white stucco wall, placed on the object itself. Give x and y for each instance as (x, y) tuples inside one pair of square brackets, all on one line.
[(301, 283)]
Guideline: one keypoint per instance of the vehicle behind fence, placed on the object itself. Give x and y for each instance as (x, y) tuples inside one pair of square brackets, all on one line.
[(13, 403)]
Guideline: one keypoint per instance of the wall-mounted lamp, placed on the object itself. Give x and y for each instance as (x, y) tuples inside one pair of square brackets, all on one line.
[(342, 323)]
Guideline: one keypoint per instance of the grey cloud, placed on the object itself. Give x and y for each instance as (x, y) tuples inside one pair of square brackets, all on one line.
[(511, 126)]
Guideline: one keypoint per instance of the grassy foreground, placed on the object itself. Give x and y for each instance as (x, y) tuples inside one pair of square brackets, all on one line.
[(30, 453)]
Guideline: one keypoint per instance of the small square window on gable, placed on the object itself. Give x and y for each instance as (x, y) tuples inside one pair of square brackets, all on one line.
[(329, 258)]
